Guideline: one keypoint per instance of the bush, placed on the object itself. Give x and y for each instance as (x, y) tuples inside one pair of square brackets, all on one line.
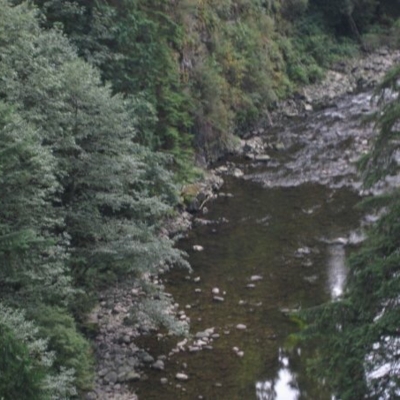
[(19, 379), (73, 351)]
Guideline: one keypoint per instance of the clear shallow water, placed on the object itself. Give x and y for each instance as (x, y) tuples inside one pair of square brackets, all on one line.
[(286, 222), (271, 233)]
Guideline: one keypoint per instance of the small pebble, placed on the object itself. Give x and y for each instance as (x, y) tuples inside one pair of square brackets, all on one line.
[(181, 376)]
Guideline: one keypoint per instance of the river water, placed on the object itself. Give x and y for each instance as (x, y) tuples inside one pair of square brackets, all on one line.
[(276, 243)]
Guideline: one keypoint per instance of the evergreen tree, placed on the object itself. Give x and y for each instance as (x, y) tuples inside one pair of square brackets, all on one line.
[(26, 363), (113, 206), (81, 198), (32, 253)]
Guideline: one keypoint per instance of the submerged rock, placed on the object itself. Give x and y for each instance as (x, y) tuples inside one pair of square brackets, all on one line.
[(181, 376)]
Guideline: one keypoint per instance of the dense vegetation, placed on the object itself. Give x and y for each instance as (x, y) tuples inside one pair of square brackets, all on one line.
[(359, 334), (211, 68), (81, 201), (103, 106)]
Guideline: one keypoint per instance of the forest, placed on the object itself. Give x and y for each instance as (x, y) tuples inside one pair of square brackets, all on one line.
[(107, 108)]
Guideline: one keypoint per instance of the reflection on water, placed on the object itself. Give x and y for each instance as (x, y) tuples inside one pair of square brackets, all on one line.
[(267, 233), (283, 387), (337, 270)]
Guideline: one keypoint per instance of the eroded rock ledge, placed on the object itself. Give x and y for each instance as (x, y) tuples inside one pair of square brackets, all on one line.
[(343, 78)]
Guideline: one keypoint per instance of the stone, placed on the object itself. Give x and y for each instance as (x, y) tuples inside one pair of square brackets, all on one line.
[(262, 157), (158, 365), (218, 299), (241, 327), (215, 290), (197, 279), (111, 377), (255, 278), (202, 335), (237, 173), (181, 376), (302, 251), (164, 381), (91, 396), (197, 247), (147, 358), (132, 361), (103, 372), (132, 376)]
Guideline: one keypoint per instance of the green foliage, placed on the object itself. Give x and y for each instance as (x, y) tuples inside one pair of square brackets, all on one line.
[(32, 255), (72, 349), (81, 198), (209, 68), (18, 380), (112, 205), (27, 369)]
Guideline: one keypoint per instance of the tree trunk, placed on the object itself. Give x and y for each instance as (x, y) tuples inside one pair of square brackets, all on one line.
[(356, 32)]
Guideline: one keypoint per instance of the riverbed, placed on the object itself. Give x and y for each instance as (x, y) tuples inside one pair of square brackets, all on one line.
[(274, 241)]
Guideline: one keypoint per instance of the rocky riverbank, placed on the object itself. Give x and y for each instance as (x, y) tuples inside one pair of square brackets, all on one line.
[(347, 77), (119, 361)]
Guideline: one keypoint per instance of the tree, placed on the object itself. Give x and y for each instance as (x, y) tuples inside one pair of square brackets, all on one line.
[(112, 208), (26, 363), (32, 254), (83, 202), (355, 15)]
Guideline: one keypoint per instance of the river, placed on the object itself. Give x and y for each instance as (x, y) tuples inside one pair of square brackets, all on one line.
[(275, 240)]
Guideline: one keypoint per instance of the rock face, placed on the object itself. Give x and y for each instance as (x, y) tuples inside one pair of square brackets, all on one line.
[(196, 195), (344, 78)]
